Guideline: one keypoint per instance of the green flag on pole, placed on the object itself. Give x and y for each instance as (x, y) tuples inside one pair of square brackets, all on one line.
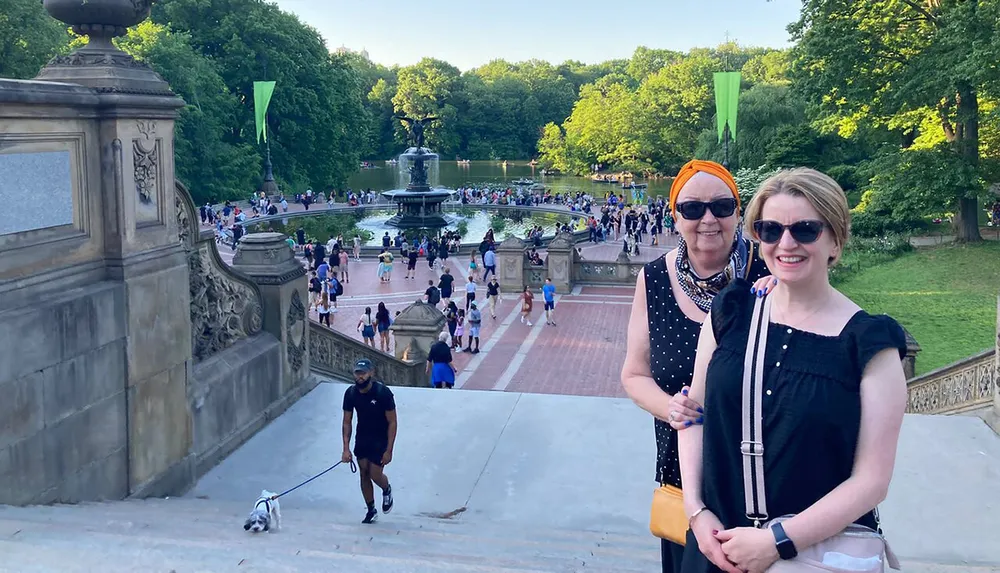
[(727, 95), (261, 99)]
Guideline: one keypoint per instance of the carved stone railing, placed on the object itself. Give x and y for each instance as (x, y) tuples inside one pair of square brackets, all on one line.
[(334, 354), (964, 386), (226, 305), (600, 272), (534, 275)]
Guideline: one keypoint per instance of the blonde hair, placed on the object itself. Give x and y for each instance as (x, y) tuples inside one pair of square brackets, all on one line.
[(819, 189)]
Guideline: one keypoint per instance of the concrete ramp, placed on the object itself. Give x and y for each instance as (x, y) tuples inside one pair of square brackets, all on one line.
[(483, 481)]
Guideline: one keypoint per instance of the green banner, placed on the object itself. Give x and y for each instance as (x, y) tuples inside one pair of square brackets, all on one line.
[(727, 95), (261, 99)]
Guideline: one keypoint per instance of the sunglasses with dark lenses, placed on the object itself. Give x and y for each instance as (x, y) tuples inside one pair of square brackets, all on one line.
[(721, 208), (803, 232)]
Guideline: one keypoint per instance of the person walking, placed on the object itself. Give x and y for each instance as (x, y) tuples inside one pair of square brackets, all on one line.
[(489, 263), (526, 302), (446, 284), (470, 293), (411, 264), (367, 327), (440, 365), (475, 321), (376, 435), (324, 310), (493, 295), (357, 248), (345, 276), (382, 323), (549, 295)]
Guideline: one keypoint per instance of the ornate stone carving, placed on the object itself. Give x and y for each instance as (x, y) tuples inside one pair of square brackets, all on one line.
[(960, 387), (184, 230), (296, 326), (113, 59), (223, 309), (334, 354), (146, 165)]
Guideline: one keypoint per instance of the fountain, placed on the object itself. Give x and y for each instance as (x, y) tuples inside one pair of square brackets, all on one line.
[(419, 203)]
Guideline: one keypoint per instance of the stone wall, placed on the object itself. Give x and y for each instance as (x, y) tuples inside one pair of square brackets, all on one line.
[(243, 376), (334, 354)]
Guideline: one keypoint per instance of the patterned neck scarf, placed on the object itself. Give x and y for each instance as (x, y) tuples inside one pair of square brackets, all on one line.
[(703, 290)]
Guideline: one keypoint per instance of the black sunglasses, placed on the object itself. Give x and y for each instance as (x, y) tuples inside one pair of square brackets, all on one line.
[(693, 210), (803, 232)]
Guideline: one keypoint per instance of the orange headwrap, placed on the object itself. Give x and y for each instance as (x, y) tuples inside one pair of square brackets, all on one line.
[(694, 166)]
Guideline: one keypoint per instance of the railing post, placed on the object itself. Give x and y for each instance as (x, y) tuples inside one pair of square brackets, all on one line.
[(269, 261)]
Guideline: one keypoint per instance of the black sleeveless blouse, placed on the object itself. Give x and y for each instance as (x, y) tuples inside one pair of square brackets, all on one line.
[(811, 411), (673, 339)]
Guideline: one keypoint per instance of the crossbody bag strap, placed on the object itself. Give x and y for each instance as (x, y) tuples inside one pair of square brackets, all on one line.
[(752, 444)]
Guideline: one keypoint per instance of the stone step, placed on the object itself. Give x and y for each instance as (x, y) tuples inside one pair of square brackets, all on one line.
[(186, 527)]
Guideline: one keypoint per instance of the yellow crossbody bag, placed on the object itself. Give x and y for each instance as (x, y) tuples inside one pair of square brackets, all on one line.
[(667, 519)]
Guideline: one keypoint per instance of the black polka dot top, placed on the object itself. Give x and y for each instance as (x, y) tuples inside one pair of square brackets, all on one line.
[(673, 339)]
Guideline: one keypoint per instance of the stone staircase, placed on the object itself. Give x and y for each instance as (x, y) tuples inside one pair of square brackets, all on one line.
[(184, 534)]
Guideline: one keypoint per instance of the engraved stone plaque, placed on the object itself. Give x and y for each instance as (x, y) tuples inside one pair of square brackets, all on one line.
[(36, 191)]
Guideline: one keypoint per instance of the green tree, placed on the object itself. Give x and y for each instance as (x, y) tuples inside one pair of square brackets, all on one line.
[(431, 88), (316, 122), (29, 37), (214, 168), (880, 60)]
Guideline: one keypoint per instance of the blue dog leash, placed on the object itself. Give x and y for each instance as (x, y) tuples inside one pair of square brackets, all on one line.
[(354, 470)]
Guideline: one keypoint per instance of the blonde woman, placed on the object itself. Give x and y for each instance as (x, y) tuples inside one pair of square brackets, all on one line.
[(833, 399)]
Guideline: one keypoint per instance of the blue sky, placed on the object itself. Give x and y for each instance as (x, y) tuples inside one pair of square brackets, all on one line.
[(470, 33)]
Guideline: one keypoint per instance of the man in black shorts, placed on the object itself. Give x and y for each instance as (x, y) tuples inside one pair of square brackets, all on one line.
[(376, 409)]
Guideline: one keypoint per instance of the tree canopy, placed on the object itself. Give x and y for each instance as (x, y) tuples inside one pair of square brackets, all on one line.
[(896, 99)]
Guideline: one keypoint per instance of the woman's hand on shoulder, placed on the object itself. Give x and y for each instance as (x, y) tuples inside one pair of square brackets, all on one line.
[(706, 526), (752, 550), (764, 285), (684, 412)]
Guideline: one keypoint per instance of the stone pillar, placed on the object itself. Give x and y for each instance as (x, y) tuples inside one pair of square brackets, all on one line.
[(415, 330), (996, 377), (510, 265), (135, 140), (622, 263), (910, 361), (270, 262), (560, 262)]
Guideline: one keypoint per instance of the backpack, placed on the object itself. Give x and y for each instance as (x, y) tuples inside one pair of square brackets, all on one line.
[(338, 288), (434, 297)]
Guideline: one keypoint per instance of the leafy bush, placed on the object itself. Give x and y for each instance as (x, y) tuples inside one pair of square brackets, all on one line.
[(749, 180), (463, 228), (498, 223)]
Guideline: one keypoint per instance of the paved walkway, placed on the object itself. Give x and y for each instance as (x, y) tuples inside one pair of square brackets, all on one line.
[(582, 355)]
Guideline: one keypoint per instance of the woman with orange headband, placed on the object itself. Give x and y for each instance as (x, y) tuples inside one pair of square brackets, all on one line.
[(673, 295)]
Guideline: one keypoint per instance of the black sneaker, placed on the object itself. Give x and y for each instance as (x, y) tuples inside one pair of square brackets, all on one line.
[(371, 516), (387, 500)]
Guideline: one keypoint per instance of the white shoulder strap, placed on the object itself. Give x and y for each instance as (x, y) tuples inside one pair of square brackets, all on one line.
[(752, 445)]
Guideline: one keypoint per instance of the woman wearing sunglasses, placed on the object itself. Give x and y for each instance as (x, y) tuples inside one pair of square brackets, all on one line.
[(831, 401), (673, 295)]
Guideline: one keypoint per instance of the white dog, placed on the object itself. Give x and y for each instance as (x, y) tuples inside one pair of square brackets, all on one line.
[(266, 514)]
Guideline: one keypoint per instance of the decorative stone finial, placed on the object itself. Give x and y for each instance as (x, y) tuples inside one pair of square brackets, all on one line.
[(99, 64)]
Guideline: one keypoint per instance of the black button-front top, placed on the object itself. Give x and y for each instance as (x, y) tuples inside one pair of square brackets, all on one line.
[(811, 411), (673, 339)]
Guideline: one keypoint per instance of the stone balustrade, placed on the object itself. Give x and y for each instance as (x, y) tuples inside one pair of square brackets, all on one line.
[(967, 386), (333, 354)]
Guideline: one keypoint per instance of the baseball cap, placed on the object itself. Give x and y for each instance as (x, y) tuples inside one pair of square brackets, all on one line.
[(363, 365)]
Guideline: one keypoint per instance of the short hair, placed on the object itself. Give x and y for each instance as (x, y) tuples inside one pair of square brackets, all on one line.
[(443, 336), (819, 189)]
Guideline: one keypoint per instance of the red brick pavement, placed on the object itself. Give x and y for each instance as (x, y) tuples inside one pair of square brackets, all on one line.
[(583, 355)]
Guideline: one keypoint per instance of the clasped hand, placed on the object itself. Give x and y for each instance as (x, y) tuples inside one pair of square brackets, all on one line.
[(684, 412), (738, 550)]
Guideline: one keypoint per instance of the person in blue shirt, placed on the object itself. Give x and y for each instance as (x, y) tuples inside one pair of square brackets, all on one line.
[(549, 294)]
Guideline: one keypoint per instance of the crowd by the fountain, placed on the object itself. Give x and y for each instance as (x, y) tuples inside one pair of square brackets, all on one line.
[(578, 202)]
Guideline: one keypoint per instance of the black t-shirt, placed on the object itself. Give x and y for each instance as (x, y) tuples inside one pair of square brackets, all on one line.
[(492, 289), (371, 407), (433, 295), (412, 256), (446, 285), (439, 353)]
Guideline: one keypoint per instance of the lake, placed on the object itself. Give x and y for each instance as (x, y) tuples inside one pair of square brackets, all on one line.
[(482, 173)]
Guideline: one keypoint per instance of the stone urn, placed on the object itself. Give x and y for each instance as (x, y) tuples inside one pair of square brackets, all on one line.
[(99, 64), (99, 19)]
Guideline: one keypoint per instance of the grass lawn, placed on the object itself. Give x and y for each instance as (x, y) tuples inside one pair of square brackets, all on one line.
[(946, 297)]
